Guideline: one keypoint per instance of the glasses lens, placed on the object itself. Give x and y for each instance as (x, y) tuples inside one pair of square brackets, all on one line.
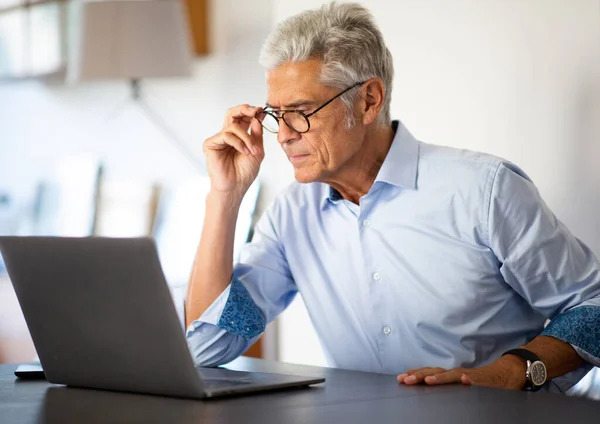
[(268, 121), (296, 121)]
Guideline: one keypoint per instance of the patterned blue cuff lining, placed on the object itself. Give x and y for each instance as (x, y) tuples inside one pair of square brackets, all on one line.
[(241, 316), (579, 327)]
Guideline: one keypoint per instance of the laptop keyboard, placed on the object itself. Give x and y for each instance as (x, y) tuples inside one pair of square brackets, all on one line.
[(219, 383)]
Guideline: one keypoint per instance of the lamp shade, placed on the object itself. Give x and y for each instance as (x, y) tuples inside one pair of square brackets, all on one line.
[(131, 39)]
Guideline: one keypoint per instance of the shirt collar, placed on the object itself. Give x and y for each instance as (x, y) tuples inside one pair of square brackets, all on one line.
[(399, 167)]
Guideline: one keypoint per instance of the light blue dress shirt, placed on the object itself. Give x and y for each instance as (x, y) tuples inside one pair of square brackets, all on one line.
[(451, 259)]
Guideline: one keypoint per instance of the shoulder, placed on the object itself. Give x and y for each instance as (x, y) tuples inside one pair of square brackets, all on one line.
[(443, 159), (464, 168)]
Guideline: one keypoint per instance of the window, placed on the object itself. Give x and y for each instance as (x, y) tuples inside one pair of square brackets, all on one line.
[(32, 37)]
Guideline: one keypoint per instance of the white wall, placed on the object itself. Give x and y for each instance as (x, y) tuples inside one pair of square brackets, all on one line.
[(516, 78), (42, 123)]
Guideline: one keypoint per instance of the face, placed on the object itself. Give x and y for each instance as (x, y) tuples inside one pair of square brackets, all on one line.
[(328, 146)]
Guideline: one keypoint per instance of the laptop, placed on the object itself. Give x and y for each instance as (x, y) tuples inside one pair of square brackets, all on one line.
[(101, 316)]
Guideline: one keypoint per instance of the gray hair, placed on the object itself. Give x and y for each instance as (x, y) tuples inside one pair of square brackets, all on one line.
[(347, 40)]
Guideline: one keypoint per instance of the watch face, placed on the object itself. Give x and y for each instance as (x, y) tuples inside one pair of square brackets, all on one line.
[(538, 373)]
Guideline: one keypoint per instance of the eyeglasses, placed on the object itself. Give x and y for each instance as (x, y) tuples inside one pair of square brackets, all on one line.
[(296, 120)]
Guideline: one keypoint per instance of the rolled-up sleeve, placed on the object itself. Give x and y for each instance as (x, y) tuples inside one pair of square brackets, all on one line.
[(260, 289), (556, 273)]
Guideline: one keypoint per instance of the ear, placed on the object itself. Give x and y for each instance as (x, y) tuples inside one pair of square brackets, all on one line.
[(374, 92)]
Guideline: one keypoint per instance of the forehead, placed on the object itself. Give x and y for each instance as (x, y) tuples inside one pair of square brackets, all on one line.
[(292, 82)]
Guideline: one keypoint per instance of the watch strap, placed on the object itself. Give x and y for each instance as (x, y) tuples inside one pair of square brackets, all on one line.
[(529, 356), (523, 353)]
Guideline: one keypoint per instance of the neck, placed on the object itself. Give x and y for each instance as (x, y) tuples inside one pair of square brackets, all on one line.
[(357, 176)]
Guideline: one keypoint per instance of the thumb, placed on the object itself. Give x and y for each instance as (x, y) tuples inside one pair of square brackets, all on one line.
[(465, 379)]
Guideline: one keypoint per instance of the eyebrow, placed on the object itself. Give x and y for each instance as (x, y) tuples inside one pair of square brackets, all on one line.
[(295, 104)]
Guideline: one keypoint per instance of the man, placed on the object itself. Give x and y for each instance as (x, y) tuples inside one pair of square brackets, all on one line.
[(412, 259)]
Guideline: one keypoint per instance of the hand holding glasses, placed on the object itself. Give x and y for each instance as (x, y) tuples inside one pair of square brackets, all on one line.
[(233, 156)]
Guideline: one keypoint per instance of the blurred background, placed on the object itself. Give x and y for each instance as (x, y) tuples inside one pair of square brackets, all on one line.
[(104, 107)]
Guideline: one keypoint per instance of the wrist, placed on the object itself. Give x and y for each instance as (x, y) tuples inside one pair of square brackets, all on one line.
[(514, 370), (226, 201)]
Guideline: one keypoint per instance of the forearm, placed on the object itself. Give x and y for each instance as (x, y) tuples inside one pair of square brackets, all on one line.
[(507, 372), (559, 357), (213, 263)]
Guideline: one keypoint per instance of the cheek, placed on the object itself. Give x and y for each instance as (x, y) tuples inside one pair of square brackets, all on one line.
[(320, 147), (336, 149), (331, 144)]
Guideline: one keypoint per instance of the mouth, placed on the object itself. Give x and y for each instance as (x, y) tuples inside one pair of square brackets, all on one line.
[(296, 159)]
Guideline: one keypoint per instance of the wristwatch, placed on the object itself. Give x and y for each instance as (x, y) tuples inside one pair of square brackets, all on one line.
[(536, 370)]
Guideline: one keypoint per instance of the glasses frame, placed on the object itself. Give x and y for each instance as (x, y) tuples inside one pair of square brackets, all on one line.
[(282, 112)]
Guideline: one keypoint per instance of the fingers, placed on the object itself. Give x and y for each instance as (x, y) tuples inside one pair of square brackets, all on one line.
[(240, 119), (416, 376), (250, 141), (435, 376), (256, 131), (241, 114), (238, 138), (225, 140), (448, 377)]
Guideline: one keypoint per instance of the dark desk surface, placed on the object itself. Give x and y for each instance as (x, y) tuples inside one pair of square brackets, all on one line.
[(346, 397)]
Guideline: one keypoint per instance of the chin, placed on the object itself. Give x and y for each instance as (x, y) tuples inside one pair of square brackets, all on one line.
[(304, 176)]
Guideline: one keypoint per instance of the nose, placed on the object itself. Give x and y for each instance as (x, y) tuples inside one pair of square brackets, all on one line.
[(286, 134)]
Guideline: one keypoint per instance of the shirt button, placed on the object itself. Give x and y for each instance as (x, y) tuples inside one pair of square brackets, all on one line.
[(376, 276), (366, 223), (387, 330)]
